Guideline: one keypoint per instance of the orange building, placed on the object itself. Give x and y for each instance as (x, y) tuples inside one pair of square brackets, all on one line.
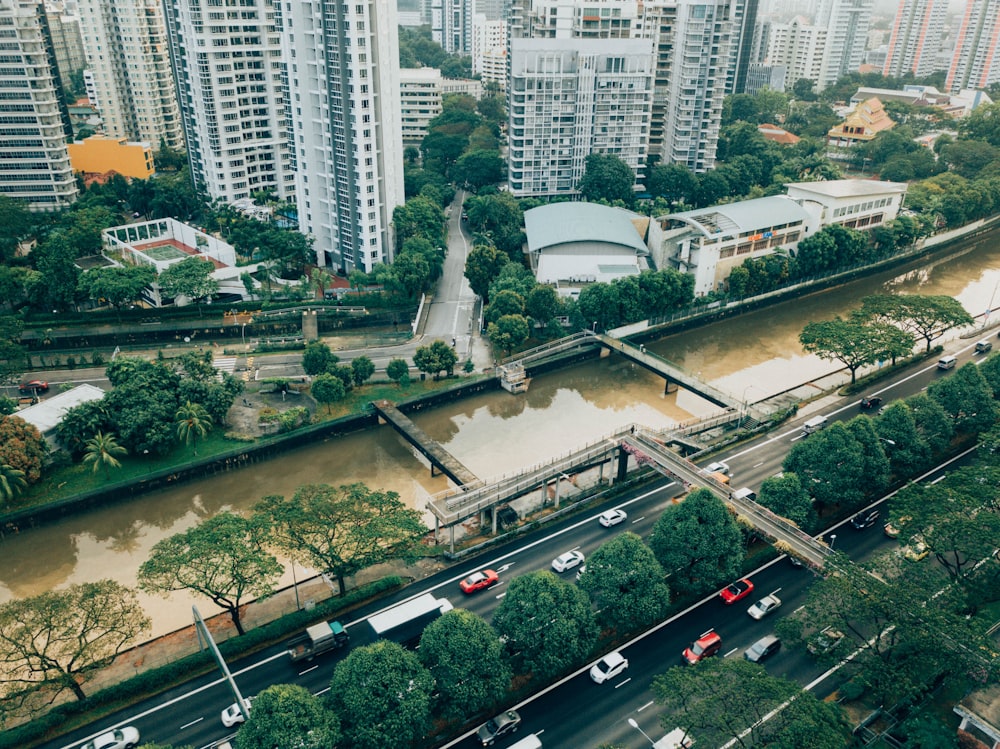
[(101, 154)]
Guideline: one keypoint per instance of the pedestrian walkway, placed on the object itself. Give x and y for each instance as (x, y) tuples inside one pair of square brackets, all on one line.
[(225, 364)]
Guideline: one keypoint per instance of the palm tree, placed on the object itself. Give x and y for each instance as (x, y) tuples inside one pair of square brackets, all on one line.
[(193, 422), (12, 482), (103, 450)]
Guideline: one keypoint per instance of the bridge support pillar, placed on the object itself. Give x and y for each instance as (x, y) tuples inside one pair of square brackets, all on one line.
[(310, 325), (432, 471), (669, 387), (558, 487), (451, 533), (605, 352), (622, 464)]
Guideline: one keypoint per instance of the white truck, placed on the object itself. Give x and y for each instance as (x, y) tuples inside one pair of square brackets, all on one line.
[(405, 622)]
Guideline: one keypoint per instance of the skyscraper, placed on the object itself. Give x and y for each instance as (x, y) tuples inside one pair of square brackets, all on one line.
[(230, 75), (451, 25), (744, 18), (916, 37), (126, 46), (976, 63), (343, 81), (846, 23), (34, 121)]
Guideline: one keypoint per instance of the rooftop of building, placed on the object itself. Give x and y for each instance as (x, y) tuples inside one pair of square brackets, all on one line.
[(564, 223), (777, 134), (743, 216), (48, 414), (847, 188)]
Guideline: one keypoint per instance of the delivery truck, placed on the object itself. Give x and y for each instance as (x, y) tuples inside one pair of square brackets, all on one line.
[(405, 622), (318, 638)]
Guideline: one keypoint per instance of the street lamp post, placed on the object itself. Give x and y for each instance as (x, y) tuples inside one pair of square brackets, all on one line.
[(631, 722), (833, 540)]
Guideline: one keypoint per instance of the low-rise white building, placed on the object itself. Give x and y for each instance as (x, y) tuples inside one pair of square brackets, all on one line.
[(419, 100), (854, 203), (571, 245), (47, 415)]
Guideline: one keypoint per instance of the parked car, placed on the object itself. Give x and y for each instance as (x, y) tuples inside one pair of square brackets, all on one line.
[(871, 401), (479, 581), (718, 467), (764, 648), (580, 572), (567, 561), (894, 527), (865, 519), (766, 605), (120, 738), (609, 518), (737, 591), (916, 549), (498, 727), (33, 387), (608, 667), (232, 715), (705, 646), (825, 641)]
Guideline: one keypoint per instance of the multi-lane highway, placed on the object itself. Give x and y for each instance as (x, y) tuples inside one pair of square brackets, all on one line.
[(190, 714)]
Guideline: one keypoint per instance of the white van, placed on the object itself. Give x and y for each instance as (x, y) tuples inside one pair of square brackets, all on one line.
[(947, 362), (745, 493), (814, 424), (528, 742)]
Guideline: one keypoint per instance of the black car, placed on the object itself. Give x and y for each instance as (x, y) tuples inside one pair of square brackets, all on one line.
[(871, 401), (865, 519)]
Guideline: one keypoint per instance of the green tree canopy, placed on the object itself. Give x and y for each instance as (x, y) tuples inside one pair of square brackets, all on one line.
[(318, 358), (328, 389), (102, 451), (118, 286), (436, 358), (480, 168), (193, 421), (907, 452), (783, 495), (190, 278), (607, 177), (222, 558), (851, 343), (398, 371), (362, 369), (967, 398), (508, 332), (289, 715), (482, 265), (830, 464), (342, 530), (698, 543), (22, 447)]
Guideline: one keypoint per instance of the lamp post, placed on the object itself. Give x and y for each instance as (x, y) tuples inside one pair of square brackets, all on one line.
[(593, 327), (631, 722), (833, 540)]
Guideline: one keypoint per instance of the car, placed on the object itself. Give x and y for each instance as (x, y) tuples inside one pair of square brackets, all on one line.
[(893, 528), (609, 518), (871, 401), (916, 549), (608, 667), (232, 715), (498, 727), (479, 581), (567, 561), (825, 641), (737, 591), (120, 738), (580, 572), (718, 467), (864, 519), (705, 646), (764, 606), (764, 648), (35, 386)]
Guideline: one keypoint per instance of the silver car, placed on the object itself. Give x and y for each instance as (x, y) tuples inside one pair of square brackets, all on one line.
[(120, 738)]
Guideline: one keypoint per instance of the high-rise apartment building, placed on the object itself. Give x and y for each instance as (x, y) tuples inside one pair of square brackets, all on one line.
[(976, 62), (451, 25), (846, 23), (230, 73), (344, 106), (489, 50), (67, 42), (34, 120), (798, 46), (126, 46), (744, 22), (916, 37)]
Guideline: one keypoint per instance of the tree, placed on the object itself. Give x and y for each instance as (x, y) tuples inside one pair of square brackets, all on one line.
[(102, 451), (289, 715), (542, 304), (625, 582), (483, 265), (934, 426), (506, 302), (222, 558), (983, 124), (192, 422), (17, 221), (698, 543), (508, 332), (55, 260), (318, 358), (967, 398), (12, 353), (398, 371), (12, 482), (783, 495), (546, 624), (480, 168), (190, 278), (928, 317), (436, 357), (382, 695), (362, 368), (830, 465), (464, 656), (848, 342), (321, 280), (56, 640), (607, 177), (908, 454), (875, 462), (328, 389), (118, 286), (675, 183), (22, 447), (745, 694), (202, 383), (342, 530)]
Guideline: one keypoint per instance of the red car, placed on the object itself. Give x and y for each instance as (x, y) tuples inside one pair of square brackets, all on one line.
[(479, 581), (738, 590), (35, 386), (704, 647)]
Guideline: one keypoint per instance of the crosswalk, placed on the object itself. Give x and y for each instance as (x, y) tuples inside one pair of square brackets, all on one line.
[(225, 364)]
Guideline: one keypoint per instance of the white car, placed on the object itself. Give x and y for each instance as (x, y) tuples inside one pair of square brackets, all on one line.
[(608, 667), (232, 715), (764, 606), (567, 561), (120, 738), (612, 517), (718, 467)]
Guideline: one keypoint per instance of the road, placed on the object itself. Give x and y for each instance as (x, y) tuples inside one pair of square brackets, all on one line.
[(190, 714)]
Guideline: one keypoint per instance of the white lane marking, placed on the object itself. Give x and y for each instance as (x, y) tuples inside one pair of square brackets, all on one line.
[(730, 652), (192, 723), (638, 519), (621, 684), (311, 668), (643, 707)]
